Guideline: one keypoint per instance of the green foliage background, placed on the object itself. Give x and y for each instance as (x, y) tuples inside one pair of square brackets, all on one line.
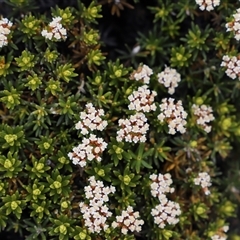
[(44, 85)]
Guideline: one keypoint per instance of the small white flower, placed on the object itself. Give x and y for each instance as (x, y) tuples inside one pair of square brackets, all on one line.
[(55, 21), (225, 228), (218, 237), (207, 4)]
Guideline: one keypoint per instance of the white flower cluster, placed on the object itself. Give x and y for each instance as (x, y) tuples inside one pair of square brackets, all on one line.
[(55, 30), (173, 114), (232, 65), (133, 129), (169, 78), (91, 120), (235, 25), (207, 4), (204, 180), (161, 185), (143, 73), (167, 211), (142, 100), (5, 26), (90, 148), (95, 213), (221, 235), (128, 220), (204, 116)]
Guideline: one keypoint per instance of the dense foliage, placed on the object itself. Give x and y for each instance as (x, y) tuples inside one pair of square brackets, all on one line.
[(120, 119)]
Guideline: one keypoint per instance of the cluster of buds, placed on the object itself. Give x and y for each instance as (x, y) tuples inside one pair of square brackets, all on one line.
[(204, 116), (133, 129), (142, 100), (235, 25), (90, 148), (207, 4), (232, 65), (5, 26), (169, 78), (167, 211), (204, 180), (143, 73), (91, 120), (55, 30), (173, 114), (96, 212), (128, 220)]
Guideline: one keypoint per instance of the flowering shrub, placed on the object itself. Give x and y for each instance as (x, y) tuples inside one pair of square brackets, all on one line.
[(130, 136)]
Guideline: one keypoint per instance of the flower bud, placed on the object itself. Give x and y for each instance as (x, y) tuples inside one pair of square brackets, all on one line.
[(227, 208), (199, 100), (167, 234)]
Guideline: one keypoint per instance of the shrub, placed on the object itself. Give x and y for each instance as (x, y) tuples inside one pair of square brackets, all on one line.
[(105, 141)]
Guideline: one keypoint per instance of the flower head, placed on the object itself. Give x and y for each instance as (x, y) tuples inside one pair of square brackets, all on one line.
[(161, 185), (90, 148), (204, 180), (91, 119), (173, 114), (166, 212), (96, 191), (204, 115), (95, 213), (234, 25), (169, 78), (143, 73), (5, 26), (55, 30), (232, 65), (128, 220), (142, 100), (133, 129)]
